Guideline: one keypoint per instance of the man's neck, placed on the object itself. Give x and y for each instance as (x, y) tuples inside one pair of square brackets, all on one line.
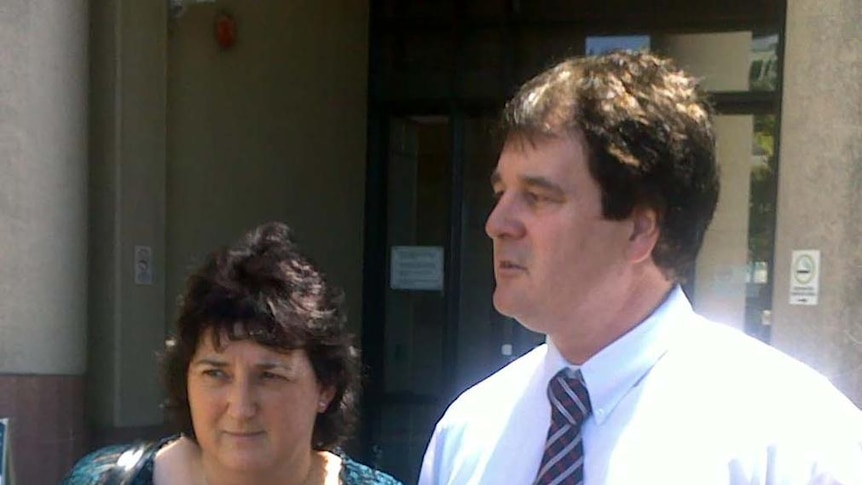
[(604, 323)]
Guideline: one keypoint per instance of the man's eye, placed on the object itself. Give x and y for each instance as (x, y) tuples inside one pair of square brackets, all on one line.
[(271, 375), (534, 197)]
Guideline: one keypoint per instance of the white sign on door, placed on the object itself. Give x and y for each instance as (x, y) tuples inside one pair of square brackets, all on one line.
[(416, 268), (804, 277)]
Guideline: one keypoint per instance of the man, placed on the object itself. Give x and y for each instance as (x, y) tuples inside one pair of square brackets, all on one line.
[(605, 187)]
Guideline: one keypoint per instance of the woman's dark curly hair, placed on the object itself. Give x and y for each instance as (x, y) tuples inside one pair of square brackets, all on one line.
[(263, 289), (648, 131)]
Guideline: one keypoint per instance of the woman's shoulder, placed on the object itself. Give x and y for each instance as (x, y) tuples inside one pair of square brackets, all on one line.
[(96, 467), (93, 467), (356, 473)]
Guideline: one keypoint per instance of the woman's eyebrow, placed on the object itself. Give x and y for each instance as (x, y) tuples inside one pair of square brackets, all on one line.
[(209, 361), (273, 365)]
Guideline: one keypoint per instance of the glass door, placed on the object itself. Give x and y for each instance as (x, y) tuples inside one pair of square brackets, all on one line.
[(416, 349), (441, 333)]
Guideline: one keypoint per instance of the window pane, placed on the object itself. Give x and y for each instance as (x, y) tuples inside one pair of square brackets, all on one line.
[(597, 45)]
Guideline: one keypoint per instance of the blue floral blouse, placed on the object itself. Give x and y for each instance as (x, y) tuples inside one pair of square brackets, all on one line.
[(95, 468)]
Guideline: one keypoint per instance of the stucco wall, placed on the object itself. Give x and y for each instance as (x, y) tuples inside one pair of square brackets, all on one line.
[(820, 188), (272, 129), (191, 146)]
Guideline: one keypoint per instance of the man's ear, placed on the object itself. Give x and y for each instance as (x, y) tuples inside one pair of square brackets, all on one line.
[(644, 234)]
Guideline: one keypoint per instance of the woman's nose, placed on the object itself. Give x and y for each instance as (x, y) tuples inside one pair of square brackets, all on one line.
[(242, 400)]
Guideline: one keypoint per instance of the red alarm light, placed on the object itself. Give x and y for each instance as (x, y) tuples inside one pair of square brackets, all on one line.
[(225, 30)]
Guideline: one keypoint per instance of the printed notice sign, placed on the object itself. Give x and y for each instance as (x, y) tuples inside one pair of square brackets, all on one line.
[(416, 268), (804, 277)]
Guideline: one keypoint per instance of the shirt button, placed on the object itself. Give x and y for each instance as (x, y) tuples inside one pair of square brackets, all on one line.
[(600, 413)]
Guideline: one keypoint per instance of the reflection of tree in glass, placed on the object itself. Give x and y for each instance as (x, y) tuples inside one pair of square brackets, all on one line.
[(761, 215), (761, 227), (763, 70)]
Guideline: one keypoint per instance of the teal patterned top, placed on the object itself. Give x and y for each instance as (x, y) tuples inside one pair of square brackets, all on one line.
[(97, 468)]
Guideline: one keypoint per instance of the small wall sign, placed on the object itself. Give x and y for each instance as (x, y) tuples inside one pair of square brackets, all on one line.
[(804, 277)]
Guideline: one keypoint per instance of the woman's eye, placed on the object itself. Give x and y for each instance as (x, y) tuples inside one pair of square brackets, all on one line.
[(214, 373)]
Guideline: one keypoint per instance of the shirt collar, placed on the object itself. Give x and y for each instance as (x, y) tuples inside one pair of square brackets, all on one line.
[(615, 370)]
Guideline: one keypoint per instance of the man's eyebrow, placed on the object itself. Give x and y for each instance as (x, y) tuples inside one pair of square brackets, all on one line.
[(261, 365), (533, 181), (542, 183)]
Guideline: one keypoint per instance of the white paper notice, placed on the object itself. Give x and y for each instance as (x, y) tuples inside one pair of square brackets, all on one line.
[(416, 268)]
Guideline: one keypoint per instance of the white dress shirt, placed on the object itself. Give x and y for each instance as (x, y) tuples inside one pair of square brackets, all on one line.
[(678, 400)]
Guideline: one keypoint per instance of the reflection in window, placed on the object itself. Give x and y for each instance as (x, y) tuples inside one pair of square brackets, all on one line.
[(597, 45), (763, 70), (761, 228)]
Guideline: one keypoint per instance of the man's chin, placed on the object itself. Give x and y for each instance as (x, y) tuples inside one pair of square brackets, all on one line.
[(505, 303)]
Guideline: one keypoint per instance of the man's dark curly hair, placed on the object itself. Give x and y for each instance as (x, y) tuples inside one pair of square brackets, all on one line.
[(263, 289), (648, 131)]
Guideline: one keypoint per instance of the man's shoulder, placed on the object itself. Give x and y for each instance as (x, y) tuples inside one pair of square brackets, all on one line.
[(726, 360), (500, 388), (735, 351)]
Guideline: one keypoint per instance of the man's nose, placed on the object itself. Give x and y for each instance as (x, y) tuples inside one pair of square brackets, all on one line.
[(503, 220)]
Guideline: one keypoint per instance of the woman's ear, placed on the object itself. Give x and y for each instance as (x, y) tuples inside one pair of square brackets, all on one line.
[(325, 398), (644, 234)]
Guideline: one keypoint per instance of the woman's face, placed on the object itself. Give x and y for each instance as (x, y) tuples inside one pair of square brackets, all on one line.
[(253, 408)]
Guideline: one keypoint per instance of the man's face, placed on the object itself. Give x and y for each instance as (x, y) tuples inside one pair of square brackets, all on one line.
[(555, 256)]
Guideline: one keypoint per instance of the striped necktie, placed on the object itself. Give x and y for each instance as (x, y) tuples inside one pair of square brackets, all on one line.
[(563, 460)]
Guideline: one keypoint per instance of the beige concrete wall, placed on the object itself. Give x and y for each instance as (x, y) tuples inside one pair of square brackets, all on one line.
[(273, 129), (43, 186), (43, 233), (820, 188)]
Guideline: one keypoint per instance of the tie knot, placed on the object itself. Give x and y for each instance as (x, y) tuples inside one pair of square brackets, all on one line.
[(568, 396)]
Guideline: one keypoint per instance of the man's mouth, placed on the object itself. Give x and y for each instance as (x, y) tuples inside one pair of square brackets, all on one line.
[(509, 265)]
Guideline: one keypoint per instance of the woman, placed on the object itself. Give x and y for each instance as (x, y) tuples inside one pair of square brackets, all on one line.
[(261, 379)]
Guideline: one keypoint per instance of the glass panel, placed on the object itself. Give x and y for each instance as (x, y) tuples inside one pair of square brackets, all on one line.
[(415, 65), (597, 45), (418, 208), (720, 272), (732, 276), (761, 228), (720, 60), (486, 339), (763, 70), (483, 75), (725, 61), (536, 50)]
